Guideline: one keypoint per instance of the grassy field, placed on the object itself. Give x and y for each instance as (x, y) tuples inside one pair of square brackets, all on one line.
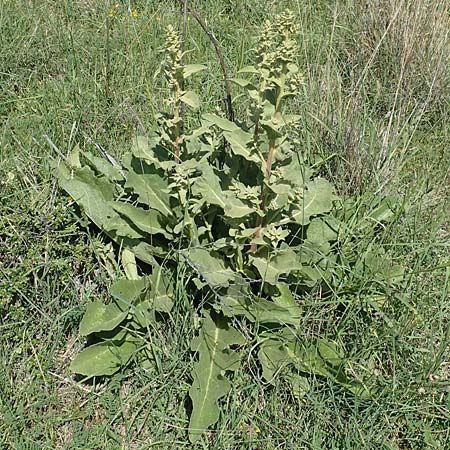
[(375, 108)]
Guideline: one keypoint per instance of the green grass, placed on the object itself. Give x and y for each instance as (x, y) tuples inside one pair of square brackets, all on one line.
[(376, 107)]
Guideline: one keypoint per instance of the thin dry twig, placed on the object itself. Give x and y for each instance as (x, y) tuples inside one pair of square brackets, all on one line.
[(215, 42)]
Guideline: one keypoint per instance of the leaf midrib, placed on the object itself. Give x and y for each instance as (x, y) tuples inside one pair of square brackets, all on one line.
[(212, 355)]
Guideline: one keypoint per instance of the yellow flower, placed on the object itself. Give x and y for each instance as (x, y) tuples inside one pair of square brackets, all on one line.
[(135, 13)]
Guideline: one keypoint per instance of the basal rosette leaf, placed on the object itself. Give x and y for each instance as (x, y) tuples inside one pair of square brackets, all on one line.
[(128, 260), (321, 230), (103, 167), (273, 267), (93, 194), (209, 267), (209, 383), (258, 310), (100, 317), (286, 300), (128, 292), (141, 297), (374, 264), (151, 190), (148, 220), (162, 289), (273, 356), (284, 352), (149, 150), (142, 250), (104, 358), (316, 199)]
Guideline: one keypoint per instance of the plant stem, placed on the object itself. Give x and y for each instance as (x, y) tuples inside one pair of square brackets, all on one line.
[(177, 118)]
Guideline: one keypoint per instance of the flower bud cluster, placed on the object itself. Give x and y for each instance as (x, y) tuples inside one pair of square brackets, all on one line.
[(275, 234), (277, 45), (249, 193), (181, 175), (297, 195), (173, 64)]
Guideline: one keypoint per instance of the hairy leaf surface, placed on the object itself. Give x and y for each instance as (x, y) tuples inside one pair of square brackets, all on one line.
[(151, 190), (105, 358), (214, 359), (100, 317)]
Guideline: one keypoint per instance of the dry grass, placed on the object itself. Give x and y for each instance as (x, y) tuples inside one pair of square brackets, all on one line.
[(380, 77)]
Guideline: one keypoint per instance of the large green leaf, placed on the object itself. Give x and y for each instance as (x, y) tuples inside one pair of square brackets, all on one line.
[(276, 362), (151, 190), (294, 172), (249, 69), (209, 384), (145, 295), (321, 231), (243, 83), (208, 188), (105, 358), (144, 313), (258, 310), (93, 194), (149, 151), (285, 347), (210, 268), (236, 208), (317, 199), (162, 290), (287, 301), (100, 317), (142, 250), (239, 141), (128, 292), (273, 356), (221, 122), (149, 220), (323, 358), (129, 265), (282, 263), (104, 167)]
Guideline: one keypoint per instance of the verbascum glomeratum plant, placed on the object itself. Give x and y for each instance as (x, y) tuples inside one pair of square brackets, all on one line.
[(236, 206)]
